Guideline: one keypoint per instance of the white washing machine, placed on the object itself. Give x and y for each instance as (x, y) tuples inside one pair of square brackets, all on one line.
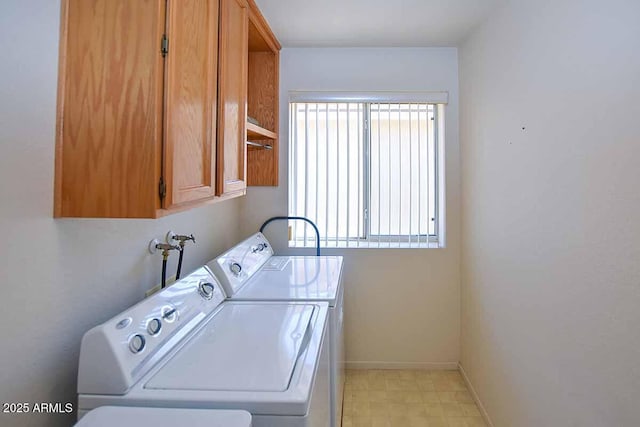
[(250, 272), (186, 347), (127, 416)]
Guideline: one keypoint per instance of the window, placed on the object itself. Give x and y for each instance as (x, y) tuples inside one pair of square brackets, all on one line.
[(367, 173)]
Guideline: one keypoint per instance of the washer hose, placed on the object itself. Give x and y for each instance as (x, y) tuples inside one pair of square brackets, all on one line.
[(182, 239), (164, 272), (180, 261), (165, 255)]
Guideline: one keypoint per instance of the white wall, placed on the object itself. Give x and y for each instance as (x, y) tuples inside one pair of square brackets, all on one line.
[(402, 305), (61, 277), (551, 213)]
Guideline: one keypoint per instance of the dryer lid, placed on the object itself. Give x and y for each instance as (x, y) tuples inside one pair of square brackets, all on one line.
[(295, 278), (244, 347)]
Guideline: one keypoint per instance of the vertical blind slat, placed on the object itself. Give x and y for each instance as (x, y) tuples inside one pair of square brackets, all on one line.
[(429, 127), (348, 172), (390, 167), (410, 177), (359, 176), (326, 144), (317, 165), (379, 173), (419, 179), (295, 169), (306, 167), (400, 171)]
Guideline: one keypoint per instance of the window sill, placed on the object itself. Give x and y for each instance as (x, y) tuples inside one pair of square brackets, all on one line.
[(370, 245)]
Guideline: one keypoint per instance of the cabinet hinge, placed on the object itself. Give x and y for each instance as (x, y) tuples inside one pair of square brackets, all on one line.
[(162, 189), (164, 46)]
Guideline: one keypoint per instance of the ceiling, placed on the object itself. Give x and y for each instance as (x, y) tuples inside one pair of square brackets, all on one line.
[(374, 23)]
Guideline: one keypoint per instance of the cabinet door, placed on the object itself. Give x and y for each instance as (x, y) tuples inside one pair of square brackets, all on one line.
[(232, 101), (190, 93), (109, 109)]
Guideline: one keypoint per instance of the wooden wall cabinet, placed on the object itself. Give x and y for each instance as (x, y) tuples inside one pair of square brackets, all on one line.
[(152, 106)]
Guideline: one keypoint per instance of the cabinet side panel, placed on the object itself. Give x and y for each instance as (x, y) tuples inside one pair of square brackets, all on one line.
[(191, 100), (110, 123), (233, 95), (262, 167)]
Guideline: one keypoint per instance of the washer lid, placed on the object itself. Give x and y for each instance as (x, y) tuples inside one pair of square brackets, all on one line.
[(244, 347), (123, 416), (295, 278)]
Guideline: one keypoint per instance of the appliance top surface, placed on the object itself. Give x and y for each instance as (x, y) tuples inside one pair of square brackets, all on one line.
[(123, 416), (295, 278), (244, 347)]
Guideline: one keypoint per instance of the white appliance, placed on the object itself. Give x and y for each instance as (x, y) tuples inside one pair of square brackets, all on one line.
[(250, 272), (186, 347), (123, 416)]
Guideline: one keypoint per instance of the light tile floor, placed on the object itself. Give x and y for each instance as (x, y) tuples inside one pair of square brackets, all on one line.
[(408, 398)]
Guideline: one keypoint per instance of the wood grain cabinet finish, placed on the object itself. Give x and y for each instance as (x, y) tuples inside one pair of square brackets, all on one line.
[(191, 93), (232, 100), (110, 106), (152, 105)]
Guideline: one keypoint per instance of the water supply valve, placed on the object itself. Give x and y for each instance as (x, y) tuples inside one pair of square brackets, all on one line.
[(172, 237)]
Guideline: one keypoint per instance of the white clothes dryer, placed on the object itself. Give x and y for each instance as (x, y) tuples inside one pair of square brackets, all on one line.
[(251, 272)]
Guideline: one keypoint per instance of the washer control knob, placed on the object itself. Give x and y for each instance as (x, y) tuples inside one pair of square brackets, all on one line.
[(169, 314), (154, 326), (136, 343), (235, 268), (206, 290)]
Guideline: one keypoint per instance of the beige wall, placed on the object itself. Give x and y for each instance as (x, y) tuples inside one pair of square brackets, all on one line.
[(402, 305), (62, 277), (551, 234)]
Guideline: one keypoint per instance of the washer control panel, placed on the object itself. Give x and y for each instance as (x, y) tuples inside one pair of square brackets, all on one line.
[(140, 336)]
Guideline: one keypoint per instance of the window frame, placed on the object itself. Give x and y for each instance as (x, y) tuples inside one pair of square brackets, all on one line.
[(382, 241)]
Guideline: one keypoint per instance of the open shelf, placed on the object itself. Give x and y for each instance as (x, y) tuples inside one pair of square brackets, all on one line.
[(257, 132), (262, 101)]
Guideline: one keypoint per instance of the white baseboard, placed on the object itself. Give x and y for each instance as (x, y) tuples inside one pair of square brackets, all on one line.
[(451, 366), (472, 390)]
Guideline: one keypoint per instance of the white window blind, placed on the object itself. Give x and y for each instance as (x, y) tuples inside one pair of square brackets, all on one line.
[(365, 172)]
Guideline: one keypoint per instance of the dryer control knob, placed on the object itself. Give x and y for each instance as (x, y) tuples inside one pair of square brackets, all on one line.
[(235, 268), (206, 290)]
